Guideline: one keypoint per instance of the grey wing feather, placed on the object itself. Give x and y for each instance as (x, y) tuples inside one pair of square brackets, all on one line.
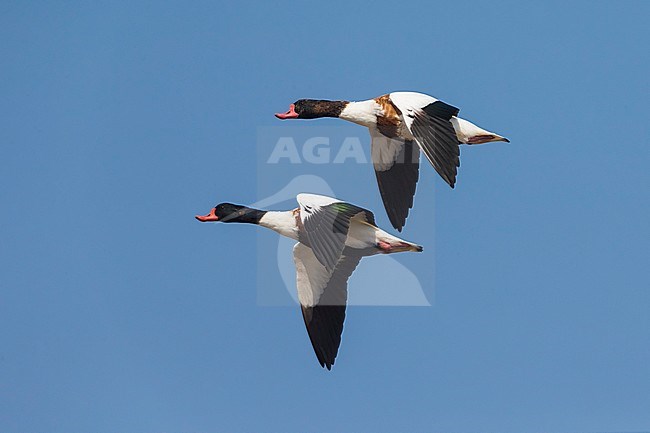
[(327, 229)]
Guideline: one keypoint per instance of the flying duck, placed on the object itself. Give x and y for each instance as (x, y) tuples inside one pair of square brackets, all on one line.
[(332, 238), (401, 125)]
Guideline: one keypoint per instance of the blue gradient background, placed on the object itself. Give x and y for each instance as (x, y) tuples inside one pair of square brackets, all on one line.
[(120, 313)]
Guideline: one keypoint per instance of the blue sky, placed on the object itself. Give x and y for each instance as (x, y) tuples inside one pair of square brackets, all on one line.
[(120, 313)]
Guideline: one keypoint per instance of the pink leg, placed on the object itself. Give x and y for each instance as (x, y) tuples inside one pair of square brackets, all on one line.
[(385, 246)]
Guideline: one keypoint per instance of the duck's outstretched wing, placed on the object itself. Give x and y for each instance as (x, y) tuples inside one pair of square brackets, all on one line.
[(323, 295), (326, 222), (397, 166), (429, 120)]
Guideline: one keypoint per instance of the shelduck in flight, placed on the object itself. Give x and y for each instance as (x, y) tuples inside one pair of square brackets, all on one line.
[(332, 238), (401, 125)]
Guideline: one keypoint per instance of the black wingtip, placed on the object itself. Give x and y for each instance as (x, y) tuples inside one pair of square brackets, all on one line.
[(441, 109), (326, 364), (397, 223), (451, 181)]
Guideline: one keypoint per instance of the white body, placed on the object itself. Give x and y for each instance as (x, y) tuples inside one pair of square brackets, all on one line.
[(283, 223), (362, 113), (365, 113), (361, 235)]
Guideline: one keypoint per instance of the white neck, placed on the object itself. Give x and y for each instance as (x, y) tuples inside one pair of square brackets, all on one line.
[(283, 223), (362, 113)]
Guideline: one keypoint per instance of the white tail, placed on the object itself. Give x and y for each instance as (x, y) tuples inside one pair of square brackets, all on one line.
[(468, 133)]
